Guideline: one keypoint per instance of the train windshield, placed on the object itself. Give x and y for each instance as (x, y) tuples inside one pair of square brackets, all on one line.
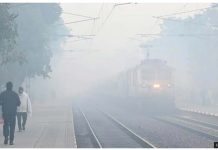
[(151, 74)]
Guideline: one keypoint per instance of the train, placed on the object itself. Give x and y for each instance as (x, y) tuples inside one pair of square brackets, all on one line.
[(148, 86)]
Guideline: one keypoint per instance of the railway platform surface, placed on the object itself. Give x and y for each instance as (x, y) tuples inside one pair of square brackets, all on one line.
[(210, 110), (50, 126)]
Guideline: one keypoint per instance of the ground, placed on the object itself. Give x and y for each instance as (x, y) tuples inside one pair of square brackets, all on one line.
[(50, 126)]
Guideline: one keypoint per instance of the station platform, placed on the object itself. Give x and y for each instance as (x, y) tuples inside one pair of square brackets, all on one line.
[(50, 126), (210, 110)]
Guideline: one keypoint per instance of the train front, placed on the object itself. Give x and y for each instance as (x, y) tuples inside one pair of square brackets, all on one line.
[(155, 85)]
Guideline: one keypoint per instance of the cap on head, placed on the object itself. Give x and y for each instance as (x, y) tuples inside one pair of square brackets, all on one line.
[(9, 85), (20, 88)]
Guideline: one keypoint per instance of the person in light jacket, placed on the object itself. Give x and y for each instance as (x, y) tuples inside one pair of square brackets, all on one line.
[(24, 109)]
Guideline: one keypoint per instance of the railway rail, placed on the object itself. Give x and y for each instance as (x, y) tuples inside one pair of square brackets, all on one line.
[(162, 133), (105, 131), (140, 140), (96, 142), (208, 130)]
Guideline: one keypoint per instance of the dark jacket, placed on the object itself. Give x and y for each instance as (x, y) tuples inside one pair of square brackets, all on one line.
[(9, 101)]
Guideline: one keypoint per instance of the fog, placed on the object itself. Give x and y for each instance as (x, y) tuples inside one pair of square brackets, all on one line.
[(131, 73), (117, 46), (89, 54)]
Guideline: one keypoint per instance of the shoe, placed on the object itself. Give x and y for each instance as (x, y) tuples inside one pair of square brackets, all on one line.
[(11, 143), (6, 141), (23, 128), (20, 130)]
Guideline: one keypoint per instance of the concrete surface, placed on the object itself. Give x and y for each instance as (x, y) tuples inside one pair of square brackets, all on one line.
[(49, 127)]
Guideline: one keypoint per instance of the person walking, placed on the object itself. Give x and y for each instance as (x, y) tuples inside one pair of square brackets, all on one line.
[(9, 101), (24, 109)]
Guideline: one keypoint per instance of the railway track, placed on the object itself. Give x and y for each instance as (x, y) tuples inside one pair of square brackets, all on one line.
[(144, 143), (83, 134), (197, 115), (208, 130), (95, 140), (105, 131), (200, 122)]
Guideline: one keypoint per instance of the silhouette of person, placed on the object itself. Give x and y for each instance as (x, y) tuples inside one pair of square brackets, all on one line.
[(9, 101)]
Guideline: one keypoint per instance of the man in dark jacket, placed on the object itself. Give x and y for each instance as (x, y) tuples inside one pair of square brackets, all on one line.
[(9, 101)]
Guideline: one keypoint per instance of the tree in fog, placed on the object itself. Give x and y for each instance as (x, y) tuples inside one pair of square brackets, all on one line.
[(192, 42), (8, 34), (37, 27)]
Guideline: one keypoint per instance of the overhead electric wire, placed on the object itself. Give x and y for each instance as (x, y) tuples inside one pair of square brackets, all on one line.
[(88, 36), (94, 22), (119, 4), (78, 40), (158, 20), (187, 22), (182, 34), (151, 28), (19, 5), (74, 35), (176, 20), (105, 20), (79, 21), (164, 17), (68, 13), (100, 9), (178, 13), (108, 16), (111, 11)]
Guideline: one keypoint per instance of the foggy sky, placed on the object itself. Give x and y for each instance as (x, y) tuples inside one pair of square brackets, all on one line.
[(115, 47)]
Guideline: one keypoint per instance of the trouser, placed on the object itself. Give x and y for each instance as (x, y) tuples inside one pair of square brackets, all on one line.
[(9, 126), (21, 119)]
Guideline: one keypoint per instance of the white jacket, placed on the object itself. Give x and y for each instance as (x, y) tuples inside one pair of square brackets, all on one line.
[(25, 104)]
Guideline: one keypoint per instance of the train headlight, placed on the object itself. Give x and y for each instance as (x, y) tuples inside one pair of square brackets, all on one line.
[(156, 86)]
